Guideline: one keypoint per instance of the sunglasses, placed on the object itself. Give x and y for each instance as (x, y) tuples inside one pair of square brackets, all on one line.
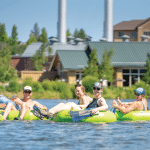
[(137, 94), (94, 88), (27, 92), (77, 85)]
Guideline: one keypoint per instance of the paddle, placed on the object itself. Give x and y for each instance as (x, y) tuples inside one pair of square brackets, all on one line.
[(79, 115)]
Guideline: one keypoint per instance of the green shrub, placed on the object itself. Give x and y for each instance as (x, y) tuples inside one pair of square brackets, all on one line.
[(2, 89), (37, 87), (28, 82), (72, 88), (130, 93), (88, 82), (48, 85), (14, 86), (60, 86)]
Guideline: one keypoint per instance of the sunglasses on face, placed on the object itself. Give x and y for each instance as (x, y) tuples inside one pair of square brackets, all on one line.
[(27, 92), (136, 94), (94, 88)]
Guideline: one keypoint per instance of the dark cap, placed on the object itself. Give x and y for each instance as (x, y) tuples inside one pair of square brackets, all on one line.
[(98, 85)]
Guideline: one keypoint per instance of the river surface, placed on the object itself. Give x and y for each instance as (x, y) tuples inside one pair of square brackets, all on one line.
[(120, 135)]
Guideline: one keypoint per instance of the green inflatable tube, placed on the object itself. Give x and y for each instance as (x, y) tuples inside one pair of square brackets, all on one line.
[(133, 116), (102, 117), (29, 116)]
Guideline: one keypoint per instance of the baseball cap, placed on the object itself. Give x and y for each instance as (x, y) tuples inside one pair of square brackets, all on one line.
[(27, 88), (98, 85), (140, 91)]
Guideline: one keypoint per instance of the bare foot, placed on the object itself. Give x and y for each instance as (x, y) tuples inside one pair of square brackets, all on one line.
[(119, 102), (114, 104)]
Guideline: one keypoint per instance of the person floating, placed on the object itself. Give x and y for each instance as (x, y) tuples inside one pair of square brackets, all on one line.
[(22, 105), (140, 103)]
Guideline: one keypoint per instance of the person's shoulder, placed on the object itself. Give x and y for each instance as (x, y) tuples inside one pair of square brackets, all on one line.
[(102, 99)]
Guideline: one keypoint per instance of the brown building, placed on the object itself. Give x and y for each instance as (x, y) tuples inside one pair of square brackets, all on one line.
[(134, 29)]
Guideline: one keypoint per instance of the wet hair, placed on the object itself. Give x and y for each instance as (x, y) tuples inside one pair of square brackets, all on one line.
[(82, 87)]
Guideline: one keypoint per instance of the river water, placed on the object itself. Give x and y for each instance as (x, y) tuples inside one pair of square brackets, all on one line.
[(120, 135)]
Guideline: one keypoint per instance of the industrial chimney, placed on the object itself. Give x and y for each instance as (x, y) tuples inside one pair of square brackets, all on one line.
[(108, 23), (62, 7)]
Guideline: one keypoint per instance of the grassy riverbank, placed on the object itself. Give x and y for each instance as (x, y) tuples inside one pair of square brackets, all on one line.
[(61, 90)]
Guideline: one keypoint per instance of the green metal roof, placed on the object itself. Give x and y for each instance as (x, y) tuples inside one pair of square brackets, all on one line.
[(127, 54), (73, 59)]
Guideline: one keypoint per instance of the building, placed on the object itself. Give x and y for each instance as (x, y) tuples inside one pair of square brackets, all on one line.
[(128, 61), (134, 29)]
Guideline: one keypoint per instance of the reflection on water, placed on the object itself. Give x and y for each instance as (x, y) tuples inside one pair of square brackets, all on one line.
[(53, 135)]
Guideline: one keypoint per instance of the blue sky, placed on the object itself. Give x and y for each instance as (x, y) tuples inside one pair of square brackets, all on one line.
[(86, 14)]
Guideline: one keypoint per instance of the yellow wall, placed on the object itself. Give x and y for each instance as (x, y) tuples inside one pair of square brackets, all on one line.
[(119, 76), (71, 77)]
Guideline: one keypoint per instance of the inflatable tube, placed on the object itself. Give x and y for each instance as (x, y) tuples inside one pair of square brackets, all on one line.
[(133, 116), (29, 116), (102, 117)]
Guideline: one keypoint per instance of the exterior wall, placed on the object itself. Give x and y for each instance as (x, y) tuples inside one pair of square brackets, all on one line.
[(119, 76), (71, 77), (145, 27), (117, 39), (38, 75)]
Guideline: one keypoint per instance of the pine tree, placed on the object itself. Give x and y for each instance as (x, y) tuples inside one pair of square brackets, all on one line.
[(106, 68), (92, 68), (32, 39), (146, 77), (68, 32), (7, 71), (3, 34), (81, 34), (39, 58), (36, 31), (76, 33), (43, 37), (13, 40)]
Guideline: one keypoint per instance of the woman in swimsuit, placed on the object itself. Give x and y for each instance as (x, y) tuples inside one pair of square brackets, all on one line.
[(84, 100), (140, 103)]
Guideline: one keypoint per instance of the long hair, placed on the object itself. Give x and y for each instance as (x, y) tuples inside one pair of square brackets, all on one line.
[(82, 88)]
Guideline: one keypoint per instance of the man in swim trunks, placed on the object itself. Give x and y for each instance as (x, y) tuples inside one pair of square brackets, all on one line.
[(139, 104), (23, 105)]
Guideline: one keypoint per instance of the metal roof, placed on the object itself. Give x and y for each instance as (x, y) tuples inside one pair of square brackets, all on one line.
[(60, 46), (31, 49), (127, 54), (73, 60)]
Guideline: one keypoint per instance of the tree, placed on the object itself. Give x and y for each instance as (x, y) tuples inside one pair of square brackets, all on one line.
[(146, 77), (32, 39), (36, 31), (7, 71), (92, 68), (106, 68), (3, 34), (13, 39), (81, 34), (68, 32), (43, 37), (39, 58), (76, 33)]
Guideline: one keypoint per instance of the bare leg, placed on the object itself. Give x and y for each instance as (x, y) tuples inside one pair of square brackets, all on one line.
[(24, 110), (119, 102), (65, 107), (57, 106), (8, 109), (114, 104)]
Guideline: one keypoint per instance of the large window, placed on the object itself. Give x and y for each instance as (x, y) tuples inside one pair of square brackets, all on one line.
[(133, 35), (147, 33), (120, 34)]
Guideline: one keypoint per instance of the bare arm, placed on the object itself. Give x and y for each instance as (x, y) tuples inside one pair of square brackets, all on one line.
[(17, 100), (128, 109), (145, 105), (85, 101), (39, 105)]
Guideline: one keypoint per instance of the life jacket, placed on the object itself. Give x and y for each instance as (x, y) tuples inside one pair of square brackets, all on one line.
[(93, 104)]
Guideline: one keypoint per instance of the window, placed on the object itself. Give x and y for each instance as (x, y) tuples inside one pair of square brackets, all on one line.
[(133, 35), (134, 71), (120, 34), (147, 33), (125, 70)]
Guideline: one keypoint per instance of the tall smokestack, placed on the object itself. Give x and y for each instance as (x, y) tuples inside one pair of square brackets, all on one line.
[(108, 23), (62, 7)]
